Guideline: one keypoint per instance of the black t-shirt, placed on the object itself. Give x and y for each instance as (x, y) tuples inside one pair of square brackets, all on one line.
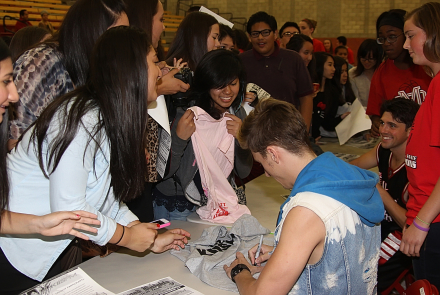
[(395, 182)]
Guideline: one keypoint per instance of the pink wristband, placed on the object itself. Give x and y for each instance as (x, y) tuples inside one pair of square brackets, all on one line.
[(420, 227)]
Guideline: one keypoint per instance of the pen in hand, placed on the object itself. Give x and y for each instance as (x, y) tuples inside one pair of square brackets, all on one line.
[(258, 250)]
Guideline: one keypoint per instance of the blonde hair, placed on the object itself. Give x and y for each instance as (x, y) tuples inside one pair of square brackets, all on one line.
[(427, 18)]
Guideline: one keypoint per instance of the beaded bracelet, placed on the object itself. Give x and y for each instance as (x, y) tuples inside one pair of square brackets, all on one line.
[(420, 227), (418, 218), (123, 232)]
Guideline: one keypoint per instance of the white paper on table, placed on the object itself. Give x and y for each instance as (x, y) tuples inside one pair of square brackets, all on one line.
[(158, 111), (163, 286), (355, 122), (220, 19), (74, 282)]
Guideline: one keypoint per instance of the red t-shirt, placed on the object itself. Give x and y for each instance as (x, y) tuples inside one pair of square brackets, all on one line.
[(389, 82), (350, 56), (19, 25), (423, 152), (318, 45)]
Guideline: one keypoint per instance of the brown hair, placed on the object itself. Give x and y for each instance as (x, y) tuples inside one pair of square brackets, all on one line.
[(312, 23), (427, 17), (274, 122)]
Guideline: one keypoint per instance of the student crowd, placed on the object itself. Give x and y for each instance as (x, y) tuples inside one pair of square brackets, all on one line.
[(83, 147)]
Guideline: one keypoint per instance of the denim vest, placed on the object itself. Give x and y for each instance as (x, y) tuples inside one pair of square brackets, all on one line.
[(349, 261)]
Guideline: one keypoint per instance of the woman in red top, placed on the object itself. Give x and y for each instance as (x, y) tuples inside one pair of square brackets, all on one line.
[(308, 27), (422, 236)]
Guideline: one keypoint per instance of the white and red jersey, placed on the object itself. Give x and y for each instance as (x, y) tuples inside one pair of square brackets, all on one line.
[(389, 82)]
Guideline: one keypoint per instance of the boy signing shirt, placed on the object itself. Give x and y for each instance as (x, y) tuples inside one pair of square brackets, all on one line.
[(330, 217)]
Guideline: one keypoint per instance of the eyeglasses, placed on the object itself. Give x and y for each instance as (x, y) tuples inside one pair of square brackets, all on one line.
[(289, 34), (264, 33), (391, 39), (368, 59)]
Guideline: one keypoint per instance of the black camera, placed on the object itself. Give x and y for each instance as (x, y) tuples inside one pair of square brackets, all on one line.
[(180, 99)]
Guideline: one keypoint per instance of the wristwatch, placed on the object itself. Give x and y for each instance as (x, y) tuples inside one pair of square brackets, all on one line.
[(238, 269)]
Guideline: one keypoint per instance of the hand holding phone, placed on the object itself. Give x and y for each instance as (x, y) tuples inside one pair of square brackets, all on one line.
[(161, 222)]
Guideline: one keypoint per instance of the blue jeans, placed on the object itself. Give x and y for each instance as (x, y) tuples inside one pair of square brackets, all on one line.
[(427, 265), (162, 212)]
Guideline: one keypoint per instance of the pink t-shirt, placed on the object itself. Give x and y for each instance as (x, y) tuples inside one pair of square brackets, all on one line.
[(214, 151)]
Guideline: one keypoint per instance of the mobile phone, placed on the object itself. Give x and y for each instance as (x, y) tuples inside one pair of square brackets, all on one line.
[(162, 222)]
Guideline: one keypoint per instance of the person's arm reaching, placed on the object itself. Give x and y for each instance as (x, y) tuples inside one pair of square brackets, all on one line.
[(54, 224), (397, 213), (143, 236), (367, 160), (303, 232)]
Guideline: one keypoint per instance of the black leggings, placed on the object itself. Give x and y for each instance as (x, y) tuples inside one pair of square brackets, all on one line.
[(427, 265), (13, 281)]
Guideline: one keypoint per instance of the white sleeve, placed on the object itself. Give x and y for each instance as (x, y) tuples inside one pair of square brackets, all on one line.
[(76, 185)]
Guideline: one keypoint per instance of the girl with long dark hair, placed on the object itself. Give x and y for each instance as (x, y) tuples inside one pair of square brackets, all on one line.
[(342, 79), (87, 151), (61, 63), (329, 97), (218, 89), (15, 223), (197, 34)]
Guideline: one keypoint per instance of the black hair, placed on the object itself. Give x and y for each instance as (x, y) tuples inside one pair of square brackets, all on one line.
[(117, 90), (241, 39), (141, 13), (349, 94), (332, 88), (393, 17), (297, 41), (343, 40), (259, 17), (216, 70), (321, 58), (288, 24), (403, 110), (193, 8), (190, 42), (77, 38), (339, 48), (226, 31), (22, 12), (25, 39), (5, 53), (369, 45)]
